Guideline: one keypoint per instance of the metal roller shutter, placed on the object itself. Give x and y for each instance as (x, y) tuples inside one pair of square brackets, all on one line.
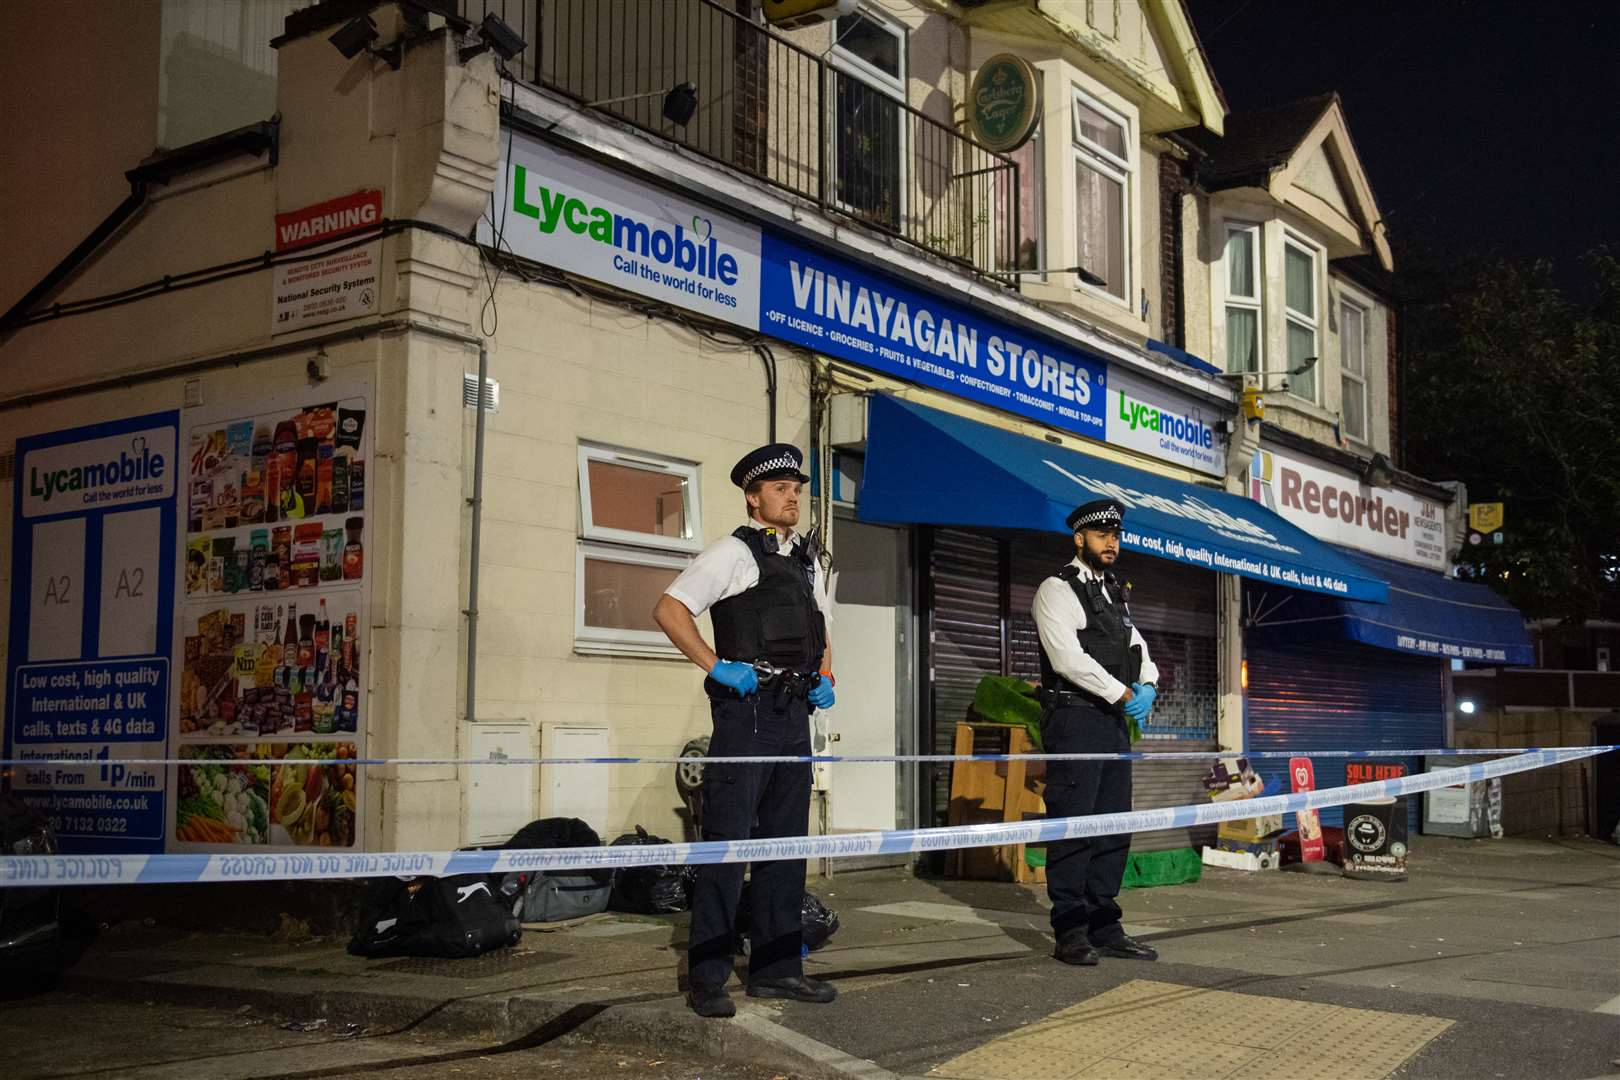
[(963, 640), (1342, 696)]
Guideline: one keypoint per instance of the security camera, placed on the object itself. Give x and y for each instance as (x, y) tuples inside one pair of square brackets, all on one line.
[(355, 36)]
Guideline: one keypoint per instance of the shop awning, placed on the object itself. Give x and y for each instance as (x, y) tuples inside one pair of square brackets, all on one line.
[(1428, 614), (924, 466)]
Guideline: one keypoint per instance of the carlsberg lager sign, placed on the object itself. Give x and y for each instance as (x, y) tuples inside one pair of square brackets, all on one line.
[(1004, 104)]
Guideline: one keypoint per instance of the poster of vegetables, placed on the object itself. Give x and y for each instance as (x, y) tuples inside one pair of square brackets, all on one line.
[(271, 623), (268, 794)]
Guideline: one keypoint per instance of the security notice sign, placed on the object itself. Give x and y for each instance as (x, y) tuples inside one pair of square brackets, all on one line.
[(333, 276), (88, 672)]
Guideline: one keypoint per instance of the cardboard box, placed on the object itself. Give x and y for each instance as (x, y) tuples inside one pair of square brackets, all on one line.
[(1249, 830)]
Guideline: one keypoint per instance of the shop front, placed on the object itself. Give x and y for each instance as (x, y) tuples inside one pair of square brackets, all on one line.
[(987, 507), (1331, 673)]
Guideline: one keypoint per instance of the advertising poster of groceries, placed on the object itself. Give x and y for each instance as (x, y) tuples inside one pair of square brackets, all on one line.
[(271, 627)]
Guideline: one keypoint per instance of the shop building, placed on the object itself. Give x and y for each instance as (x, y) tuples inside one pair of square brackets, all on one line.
[(695, 232), (1289, 245)]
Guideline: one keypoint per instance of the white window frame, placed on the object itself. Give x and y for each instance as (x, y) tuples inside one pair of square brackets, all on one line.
[(1121, 170), (687, 471), (1311, 323), (609, 640), (1253, 303), (889, 85), (1346, 376)]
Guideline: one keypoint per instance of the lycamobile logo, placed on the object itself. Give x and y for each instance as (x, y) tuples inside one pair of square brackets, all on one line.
[(693, 252), (139, 462), (1185, 429)]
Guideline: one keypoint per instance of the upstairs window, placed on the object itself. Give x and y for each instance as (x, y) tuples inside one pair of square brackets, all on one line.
[(1353, 369), (1102, 192), (868, 60), (1243, 336), (1301, 303)]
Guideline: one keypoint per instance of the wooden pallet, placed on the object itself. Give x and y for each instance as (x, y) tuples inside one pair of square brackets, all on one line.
[(994, 791)]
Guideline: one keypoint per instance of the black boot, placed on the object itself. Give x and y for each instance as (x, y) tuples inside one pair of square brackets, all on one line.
[(1074, 948), (710, 1001), (1122, 945), (794, 989)]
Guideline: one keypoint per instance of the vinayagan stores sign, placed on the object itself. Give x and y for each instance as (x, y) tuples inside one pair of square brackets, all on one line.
[(1337, 506)]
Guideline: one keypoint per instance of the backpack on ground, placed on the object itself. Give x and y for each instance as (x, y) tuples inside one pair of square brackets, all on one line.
[(555, 895)]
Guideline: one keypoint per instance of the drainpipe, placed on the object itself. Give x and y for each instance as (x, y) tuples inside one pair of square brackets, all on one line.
[(477, 504)]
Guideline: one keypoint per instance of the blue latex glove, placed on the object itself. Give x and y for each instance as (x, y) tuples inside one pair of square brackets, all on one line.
[(821, 695), (737, 675), (1141, 703)]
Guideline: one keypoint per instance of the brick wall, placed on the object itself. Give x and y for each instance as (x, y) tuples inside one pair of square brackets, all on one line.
[(1174, 182), (1395, 444)]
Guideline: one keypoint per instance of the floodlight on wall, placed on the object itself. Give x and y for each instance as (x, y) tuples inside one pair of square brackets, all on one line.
[(680, 103), (1085, 275), (1304, 366), (494, 34), (357, 36)]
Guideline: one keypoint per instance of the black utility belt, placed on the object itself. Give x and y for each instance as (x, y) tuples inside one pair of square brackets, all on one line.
[(780, 684), (1068, 699)]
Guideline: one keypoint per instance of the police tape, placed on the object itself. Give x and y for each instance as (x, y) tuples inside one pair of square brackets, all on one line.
[(1149, 756), (37, 870)]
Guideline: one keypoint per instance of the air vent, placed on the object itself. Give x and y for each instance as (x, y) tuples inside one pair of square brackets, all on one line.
[(469, 393)]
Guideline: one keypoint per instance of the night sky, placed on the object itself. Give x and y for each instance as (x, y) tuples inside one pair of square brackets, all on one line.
[(1485, 126)]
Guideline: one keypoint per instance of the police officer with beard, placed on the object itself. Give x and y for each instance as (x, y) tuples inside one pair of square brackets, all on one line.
[(763, 588), (1095, 673)]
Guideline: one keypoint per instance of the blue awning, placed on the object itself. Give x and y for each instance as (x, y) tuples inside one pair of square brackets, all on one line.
[(924, 466), (1428, 614)]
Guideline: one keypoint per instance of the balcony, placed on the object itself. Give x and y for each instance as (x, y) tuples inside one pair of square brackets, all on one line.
[(778, 113)]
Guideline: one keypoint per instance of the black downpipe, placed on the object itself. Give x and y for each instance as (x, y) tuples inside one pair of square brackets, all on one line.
[(768, 358), (114, 221)]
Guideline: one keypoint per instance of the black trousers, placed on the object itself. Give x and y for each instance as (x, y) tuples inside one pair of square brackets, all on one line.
[(742, 802), (1083, 876)]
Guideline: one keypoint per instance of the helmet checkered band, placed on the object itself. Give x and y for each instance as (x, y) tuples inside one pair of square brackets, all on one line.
[(774, 464), (1108, 515)]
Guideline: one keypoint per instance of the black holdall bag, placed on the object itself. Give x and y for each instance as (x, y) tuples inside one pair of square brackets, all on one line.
[(446, 917), (555, 895)]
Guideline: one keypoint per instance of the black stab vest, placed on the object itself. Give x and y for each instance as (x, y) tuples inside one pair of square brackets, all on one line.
[(777, 620), (1106, 636)]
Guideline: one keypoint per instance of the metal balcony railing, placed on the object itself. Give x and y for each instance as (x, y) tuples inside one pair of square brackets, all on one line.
[(778, 112)]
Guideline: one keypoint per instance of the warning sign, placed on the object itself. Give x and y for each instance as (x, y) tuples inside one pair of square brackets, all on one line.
[(334, 274)]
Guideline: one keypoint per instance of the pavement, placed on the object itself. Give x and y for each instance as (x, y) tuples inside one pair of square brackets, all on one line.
[(1496, 958)]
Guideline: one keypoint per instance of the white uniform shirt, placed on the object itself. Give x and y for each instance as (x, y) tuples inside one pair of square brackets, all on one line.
[(1058, 614), (726, 568)]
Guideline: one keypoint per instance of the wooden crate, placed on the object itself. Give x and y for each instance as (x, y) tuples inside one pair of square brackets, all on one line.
[(991, 791)]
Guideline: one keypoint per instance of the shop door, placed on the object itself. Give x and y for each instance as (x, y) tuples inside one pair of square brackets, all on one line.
[(1342, 696), (871, 656), (963, 623)]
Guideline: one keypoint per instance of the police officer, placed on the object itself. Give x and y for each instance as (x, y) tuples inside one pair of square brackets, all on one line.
[(764, 590), (1095, 672)]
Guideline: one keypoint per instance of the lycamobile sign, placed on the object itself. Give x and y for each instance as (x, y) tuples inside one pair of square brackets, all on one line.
[(1164, 424), (98, 473), (696, 252), (574, 214)]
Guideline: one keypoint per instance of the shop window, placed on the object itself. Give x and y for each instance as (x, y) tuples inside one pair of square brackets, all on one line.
[(1353, 369), (1102, 193), (640, 525), (868, 72), (1243, 336), (1300, 300)]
